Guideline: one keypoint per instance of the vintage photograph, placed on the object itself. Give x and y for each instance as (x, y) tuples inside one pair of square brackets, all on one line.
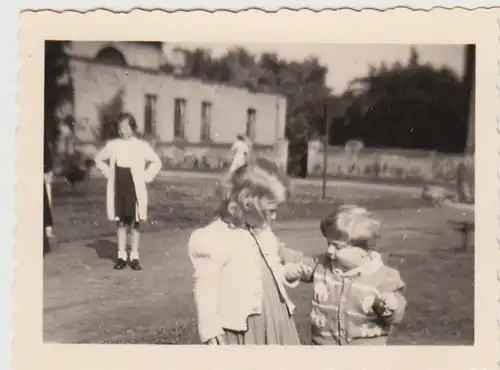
[(249, 193)]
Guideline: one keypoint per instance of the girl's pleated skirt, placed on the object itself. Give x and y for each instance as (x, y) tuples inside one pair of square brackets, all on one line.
[(125, 196)]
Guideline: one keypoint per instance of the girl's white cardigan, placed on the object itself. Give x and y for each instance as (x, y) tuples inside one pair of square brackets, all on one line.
[(142, 153), (227, 273)]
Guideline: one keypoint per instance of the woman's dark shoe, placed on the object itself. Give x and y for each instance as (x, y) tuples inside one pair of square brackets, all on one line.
[(135, 265), (120, 264)]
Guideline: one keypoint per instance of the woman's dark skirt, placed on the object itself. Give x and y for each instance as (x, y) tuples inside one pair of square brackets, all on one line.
[(125, 196)]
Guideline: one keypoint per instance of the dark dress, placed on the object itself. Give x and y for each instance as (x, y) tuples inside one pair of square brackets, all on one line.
[(125, 196), (274, 326), (47, 211)]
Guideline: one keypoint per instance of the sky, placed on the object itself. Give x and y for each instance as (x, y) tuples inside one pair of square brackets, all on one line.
[(348, 61)]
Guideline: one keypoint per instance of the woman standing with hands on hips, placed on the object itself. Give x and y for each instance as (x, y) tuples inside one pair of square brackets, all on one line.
[(126, 192)]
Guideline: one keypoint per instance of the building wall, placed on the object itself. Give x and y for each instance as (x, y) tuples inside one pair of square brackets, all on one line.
[(96, 84)]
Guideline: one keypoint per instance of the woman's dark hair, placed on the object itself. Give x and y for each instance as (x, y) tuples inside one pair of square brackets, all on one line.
[(129, 118)]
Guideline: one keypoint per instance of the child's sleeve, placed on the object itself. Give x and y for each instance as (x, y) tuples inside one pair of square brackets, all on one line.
[(102, 156), (207, 262), (155, 163), (394, 286)]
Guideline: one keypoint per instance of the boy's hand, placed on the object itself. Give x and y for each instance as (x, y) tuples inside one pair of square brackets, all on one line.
[(321, 293), (292, 271), (390, 301), (385, 304), (368, 304)]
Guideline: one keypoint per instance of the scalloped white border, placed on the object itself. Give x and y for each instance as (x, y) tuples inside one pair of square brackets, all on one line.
[(498, 185), (481, 24)]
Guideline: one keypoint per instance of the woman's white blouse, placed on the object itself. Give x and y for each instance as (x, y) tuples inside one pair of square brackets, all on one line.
[(125, 153)]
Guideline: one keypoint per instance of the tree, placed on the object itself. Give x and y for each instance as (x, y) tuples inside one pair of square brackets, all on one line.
[(412, 106), (57, 86), (109, 113)]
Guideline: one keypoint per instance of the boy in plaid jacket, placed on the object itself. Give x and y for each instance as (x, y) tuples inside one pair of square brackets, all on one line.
[(357, 299)]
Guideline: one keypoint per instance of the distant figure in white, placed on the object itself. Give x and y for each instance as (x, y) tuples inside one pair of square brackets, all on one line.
[(241, 151)]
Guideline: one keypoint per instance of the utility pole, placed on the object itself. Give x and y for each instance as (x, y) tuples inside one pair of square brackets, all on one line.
[(325, 150)]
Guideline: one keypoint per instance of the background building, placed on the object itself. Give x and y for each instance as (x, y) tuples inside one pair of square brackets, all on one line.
[(192, 123)]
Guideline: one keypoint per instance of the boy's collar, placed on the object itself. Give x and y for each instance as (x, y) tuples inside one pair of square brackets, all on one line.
[(367, 268)]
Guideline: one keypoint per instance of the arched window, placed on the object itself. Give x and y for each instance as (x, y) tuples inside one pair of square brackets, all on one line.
[(110, 55)]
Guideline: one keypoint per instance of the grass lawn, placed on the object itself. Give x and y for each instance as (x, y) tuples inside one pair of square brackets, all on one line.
[(86, 301), (188, 202), (363, 179)]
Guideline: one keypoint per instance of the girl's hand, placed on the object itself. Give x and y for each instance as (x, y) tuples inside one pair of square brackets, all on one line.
[(216, 341), (292, 271)]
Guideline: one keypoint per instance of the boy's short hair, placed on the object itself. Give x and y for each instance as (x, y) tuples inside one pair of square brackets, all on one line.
[(351, 224)]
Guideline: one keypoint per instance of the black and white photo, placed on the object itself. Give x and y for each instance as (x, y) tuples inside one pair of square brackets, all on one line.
[(205, 189)]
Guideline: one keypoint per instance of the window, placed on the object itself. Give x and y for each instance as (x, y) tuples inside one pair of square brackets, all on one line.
[(179, 118), (206, 118), (251, 117), (110, 55), (150, 114)]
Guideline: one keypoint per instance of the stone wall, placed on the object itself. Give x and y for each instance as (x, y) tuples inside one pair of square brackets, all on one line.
[(389, 164)]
